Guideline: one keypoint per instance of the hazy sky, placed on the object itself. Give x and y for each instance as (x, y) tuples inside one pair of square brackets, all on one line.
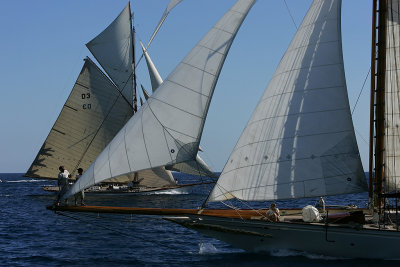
[(42, 49)]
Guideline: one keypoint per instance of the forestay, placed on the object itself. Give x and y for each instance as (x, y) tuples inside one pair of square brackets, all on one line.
[(300, 141), (113, 49), (92, 115), (167, 129), (392, 98)]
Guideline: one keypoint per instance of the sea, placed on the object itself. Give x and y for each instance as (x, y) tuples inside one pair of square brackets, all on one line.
[(31, 235)]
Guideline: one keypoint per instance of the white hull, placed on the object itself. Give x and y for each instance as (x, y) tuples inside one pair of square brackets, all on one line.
[(332, 240)]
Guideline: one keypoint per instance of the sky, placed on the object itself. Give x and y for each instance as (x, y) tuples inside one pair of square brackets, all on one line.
[(42, 49)]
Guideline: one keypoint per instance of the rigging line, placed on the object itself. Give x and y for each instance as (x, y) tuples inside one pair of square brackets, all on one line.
[(221, 188), (362, 88), (361, 136), (290, 13), (145, 240)]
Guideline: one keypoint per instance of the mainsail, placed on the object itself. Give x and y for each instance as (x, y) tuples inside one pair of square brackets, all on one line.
[(168, 127), (92, 115), (113, 49), (392, 97), (300, 141)]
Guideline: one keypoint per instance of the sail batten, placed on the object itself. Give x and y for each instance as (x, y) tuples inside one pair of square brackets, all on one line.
[(300, 140)]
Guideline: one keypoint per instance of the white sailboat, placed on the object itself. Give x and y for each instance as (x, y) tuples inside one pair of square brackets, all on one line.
[(299, 142), (97, 108)]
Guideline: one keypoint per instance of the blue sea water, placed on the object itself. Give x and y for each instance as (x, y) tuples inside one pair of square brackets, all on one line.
[(31, 235)]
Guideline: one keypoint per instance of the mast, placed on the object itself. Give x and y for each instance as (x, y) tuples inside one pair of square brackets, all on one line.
[(133, 61), (378, 85)]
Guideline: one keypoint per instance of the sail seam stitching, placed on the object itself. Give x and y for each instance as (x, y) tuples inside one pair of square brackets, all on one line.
[(185, 87), (294, 114), (301, 91), (194, 115), (290, 137)]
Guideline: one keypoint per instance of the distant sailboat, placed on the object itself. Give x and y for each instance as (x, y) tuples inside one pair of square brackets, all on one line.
[(97, 108)]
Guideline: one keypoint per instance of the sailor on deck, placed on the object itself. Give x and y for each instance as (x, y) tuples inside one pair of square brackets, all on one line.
[(273, 213), (63, 183), (80, 194)]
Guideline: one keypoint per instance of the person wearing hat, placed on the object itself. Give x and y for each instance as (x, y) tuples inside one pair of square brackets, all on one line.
[(63, 183), (81, 194)]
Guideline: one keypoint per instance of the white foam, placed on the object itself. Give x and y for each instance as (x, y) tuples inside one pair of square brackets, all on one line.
[(207, 248)]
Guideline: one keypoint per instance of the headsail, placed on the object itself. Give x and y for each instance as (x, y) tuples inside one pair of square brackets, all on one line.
[(300, 140), (392, 100), (197, 166), (168, 128), (92, 115), (113, 49)]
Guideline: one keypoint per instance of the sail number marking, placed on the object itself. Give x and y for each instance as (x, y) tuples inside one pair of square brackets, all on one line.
[(86, 96), (87, 106)]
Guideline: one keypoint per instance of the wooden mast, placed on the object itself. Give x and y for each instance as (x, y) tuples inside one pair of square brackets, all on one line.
[(379, 105), (372, 109)]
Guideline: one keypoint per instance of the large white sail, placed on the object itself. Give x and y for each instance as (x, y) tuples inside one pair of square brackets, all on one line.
[(392, 95), (113, 49), (92, 115), (168, 127), (197, 166), (300, 140)]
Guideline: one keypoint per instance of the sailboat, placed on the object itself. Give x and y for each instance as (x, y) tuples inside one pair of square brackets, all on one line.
[(299, 143), (98, 106)]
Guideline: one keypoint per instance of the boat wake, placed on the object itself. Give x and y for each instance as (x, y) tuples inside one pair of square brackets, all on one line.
[(295, 253), (170, 192), (25, 181)]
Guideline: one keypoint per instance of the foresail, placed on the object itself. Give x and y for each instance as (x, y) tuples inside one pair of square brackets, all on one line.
[(113, 49), (392, 98), (300, 141), (92, 115), (195, 167), (167, 128)]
